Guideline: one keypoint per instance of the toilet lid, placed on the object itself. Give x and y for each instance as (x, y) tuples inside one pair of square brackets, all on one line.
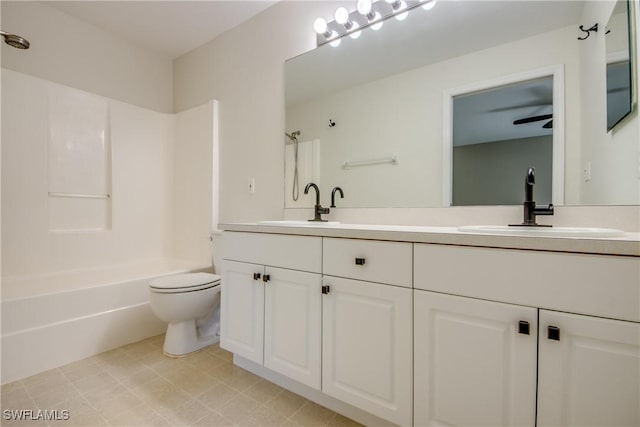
[(185, 282)]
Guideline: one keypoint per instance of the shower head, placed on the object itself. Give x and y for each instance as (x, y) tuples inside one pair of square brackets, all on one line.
[(292, 136), (15, 40)]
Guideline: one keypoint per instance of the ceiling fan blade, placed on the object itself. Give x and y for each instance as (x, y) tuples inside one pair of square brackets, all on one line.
[(536, 105), (548, 125), (532, 119)]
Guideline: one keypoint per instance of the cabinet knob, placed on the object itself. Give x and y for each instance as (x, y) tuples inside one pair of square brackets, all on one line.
[(553, 333), (256, 276), (326, 289), (523, 327), (360, 261), (266, 278)]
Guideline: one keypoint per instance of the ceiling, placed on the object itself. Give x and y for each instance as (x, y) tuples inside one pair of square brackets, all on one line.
[(172, 28), (488, 116)]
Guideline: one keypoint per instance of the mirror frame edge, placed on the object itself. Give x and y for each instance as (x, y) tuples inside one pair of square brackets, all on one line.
[(633, 64)]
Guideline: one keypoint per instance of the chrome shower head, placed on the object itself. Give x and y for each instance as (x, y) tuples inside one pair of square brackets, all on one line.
[(15, 40)]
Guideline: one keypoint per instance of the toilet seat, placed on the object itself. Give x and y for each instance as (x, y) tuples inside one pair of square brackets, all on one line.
[(188, 282)]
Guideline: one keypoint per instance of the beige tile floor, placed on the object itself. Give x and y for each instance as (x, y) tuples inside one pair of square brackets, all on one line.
[(136, 385)]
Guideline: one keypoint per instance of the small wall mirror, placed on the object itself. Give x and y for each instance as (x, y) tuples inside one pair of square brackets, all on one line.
[(620, 76)]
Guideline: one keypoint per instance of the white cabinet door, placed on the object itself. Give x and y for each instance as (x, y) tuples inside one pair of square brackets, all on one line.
[(367, 347), (242, 310), (292, 324), (590, 374), (474, 364)]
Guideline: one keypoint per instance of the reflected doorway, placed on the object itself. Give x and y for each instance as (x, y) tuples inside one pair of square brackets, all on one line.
[(496, 131), (497, 135)]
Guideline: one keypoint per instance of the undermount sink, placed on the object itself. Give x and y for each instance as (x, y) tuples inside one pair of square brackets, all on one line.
[(292, 223), (542, 231)]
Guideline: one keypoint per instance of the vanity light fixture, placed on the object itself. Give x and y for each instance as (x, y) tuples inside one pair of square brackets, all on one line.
[(428, 4), (399, 6), (342, 17), (365, 8), (355, 34), (368, 13), (321, 27)]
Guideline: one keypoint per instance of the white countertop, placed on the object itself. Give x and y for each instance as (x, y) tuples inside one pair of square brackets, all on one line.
[(627, 245)]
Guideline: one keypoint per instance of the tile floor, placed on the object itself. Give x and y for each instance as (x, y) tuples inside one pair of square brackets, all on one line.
[(136, 385)]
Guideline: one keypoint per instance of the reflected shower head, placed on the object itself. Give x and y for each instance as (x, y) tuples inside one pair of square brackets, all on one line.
[(15, 40), (292, 136)]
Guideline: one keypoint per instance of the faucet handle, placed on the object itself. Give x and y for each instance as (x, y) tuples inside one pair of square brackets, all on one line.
[(543, 210)]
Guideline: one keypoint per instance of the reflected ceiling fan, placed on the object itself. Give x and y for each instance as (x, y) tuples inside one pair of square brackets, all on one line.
[(548, 125)]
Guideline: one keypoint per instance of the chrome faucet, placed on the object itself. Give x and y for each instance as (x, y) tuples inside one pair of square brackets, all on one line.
[(530, 208), (333, 196), (318, 209)]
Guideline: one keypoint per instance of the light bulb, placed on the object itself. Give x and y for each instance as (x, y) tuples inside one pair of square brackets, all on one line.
[(335, 43), (355, 34), (364, 7), (341, 15), (402, 16), (429, 4), (320, 25), (378, 22)]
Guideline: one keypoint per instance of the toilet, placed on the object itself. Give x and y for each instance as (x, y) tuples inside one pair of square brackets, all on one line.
[(190, 303)]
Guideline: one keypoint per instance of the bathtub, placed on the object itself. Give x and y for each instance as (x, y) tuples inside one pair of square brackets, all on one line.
[(52, 320)]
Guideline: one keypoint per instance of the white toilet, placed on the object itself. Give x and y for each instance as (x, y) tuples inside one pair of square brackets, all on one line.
[(190, 303)]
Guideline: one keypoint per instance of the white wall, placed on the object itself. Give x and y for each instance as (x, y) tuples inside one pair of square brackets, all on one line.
[(492, 173), (142, 144), (194, 183), (71, 52), (244, 70), (614, 155)]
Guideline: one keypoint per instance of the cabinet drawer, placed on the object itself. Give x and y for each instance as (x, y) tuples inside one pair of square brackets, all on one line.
[(599, 285), (373, 261), (302, 253)]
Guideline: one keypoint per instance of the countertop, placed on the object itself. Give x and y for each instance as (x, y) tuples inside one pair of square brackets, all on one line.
[(626, 245)]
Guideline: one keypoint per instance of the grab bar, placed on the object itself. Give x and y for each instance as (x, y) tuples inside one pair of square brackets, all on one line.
[(80, 195)]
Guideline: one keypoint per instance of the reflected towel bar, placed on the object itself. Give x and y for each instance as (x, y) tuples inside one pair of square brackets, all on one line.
[(392, 160), (80, 196)]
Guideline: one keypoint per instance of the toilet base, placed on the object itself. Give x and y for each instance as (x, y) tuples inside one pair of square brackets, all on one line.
[(182, 339)]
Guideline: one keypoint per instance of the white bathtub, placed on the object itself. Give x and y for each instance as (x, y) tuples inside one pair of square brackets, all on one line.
[(49, 321)]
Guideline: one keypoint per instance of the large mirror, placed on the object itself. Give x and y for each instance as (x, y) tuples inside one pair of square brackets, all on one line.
[(376, 114)]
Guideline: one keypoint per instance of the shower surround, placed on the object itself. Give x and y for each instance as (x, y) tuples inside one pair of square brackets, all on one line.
[(92, 186)]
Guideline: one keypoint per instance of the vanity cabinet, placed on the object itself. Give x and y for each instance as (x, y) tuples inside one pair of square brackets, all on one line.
[(475, 362), (367, 326), (588, 364), (272, 315), (435, 334), (349, 334), (366, 347), (588, 371)]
